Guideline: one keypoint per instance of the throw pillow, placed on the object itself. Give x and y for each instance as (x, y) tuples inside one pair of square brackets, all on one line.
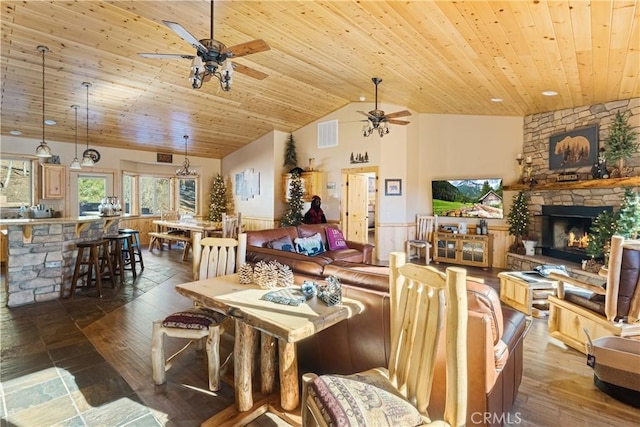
[(309, 245), (284, 243), (335, 239)]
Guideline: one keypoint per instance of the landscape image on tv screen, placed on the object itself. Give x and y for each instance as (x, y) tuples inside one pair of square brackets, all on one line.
[(468, 198)]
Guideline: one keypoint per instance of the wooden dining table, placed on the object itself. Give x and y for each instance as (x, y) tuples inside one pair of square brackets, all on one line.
[(197, 229), (268, 322)]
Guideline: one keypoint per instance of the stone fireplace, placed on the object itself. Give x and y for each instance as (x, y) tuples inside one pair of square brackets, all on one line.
[(565, 230)]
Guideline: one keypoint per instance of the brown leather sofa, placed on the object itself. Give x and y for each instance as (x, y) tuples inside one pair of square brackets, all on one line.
[(313, 266)]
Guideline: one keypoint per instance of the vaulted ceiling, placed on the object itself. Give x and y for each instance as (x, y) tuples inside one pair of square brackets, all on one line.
[(433, 56)]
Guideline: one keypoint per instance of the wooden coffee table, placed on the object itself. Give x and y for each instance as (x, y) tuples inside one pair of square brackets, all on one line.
[(526, 292)]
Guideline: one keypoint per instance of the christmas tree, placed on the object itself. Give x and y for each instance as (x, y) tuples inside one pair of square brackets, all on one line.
[(621, 142), (518, 220), (290, 156), (293, 215), (218, 199), (628, 223), (600, 233)]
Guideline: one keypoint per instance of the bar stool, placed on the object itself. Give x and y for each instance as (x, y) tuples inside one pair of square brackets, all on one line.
[(135, 245), (95, 250), (118, 243)]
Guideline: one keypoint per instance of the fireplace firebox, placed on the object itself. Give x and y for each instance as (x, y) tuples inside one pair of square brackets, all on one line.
[(565, 230)]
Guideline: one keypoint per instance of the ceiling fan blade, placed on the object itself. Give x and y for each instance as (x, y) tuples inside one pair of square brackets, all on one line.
[(247, 48), (403, 113), (397, 122), (185, 35), (249, 71), (166, 55)]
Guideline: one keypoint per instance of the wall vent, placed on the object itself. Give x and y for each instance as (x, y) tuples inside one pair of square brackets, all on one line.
[(328, 134)]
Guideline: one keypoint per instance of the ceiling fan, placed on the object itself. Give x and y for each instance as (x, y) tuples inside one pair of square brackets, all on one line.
[(378, 119), (211, 58)]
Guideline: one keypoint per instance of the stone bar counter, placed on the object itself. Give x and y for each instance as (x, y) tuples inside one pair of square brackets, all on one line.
[(42, 252)]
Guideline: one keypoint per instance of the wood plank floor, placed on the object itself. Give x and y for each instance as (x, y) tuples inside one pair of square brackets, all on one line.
[(86, 361)]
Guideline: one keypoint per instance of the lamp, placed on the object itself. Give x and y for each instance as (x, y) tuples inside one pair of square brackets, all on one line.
[(373, 125), (75, 164), (185, 171), (43, 150), (87, 160)]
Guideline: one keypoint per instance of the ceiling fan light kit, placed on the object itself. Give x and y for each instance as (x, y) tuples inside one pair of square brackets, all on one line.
[(378, 121), (211, 58), (43, 150)]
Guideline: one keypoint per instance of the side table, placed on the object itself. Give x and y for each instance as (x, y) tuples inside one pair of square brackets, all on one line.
[(527, 292)]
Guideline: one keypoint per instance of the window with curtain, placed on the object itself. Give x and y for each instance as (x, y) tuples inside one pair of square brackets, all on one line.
[(16, 182)]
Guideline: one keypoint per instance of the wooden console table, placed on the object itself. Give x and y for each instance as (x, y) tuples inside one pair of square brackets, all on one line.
[(467, 249)]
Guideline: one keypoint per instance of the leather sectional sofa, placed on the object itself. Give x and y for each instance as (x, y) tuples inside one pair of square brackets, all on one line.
[(495, 333)]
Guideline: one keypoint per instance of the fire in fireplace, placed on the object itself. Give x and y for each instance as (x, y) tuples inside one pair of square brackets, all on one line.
[(565, 230)]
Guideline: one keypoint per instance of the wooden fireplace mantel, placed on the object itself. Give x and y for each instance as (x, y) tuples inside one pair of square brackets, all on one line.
[(632, 181)]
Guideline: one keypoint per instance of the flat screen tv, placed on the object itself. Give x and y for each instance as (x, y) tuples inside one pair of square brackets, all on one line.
[(468, 198)]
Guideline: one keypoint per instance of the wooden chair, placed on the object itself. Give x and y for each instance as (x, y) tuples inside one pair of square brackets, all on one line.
[(399, 395), (220, 256), (425, 228), (608, 310), (231, 225)]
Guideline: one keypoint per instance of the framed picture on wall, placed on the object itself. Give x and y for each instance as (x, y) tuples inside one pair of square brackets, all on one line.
[(574, 149), (393, 187)]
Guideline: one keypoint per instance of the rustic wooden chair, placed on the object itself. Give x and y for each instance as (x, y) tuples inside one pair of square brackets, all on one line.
[(220, 256), (399, 395), (425, 228), (608, 310), (231, 225)]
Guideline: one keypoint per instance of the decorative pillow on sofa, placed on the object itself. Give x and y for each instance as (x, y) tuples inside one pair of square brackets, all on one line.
[(309, 245), (284, 243), (335, 239)]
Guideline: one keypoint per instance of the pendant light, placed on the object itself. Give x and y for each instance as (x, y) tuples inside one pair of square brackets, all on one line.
[(43, 150), (87, 160), (185, 171), (75, 164)]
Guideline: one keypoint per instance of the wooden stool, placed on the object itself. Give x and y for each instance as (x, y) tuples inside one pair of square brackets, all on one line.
[(117, 244), (135, 245), (95, 249)]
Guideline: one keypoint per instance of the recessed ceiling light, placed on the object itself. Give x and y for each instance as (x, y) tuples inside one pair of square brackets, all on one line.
[(15, 132), (549, 93), (49, 122), (362, 98), (496, 99)]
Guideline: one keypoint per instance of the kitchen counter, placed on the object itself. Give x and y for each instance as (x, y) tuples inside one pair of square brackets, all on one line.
[(41, 254)]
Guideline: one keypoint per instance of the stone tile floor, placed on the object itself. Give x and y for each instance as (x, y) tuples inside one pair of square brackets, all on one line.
[(51, 375)]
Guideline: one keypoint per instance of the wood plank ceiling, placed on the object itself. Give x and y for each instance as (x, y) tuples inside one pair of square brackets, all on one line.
[(434, 57)]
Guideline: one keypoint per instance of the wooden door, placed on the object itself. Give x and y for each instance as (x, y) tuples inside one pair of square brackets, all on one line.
[(357, 196)]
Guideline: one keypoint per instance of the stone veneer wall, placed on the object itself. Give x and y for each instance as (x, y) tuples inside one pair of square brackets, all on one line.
[(537, 130), (39, 267), (539, 127)]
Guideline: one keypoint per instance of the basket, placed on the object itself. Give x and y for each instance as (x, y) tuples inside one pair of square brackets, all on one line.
[(615, 360), (331, 293)]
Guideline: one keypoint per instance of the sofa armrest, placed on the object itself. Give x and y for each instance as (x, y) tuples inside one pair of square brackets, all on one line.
[(365, 248)]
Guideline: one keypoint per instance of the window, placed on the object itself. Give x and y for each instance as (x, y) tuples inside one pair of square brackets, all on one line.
[(187, 195), (155, 195), (16, 182), (91, 191), (127, 196)]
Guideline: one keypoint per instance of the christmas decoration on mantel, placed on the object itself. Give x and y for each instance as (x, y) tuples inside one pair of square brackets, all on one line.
[(621, 144)]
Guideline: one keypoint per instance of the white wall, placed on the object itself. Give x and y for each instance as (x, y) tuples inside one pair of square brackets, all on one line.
[(116, 160)]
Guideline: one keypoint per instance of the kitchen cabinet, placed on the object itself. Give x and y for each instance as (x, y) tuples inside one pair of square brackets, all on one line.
[(54, 181), (311, 185), (467, 249)]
